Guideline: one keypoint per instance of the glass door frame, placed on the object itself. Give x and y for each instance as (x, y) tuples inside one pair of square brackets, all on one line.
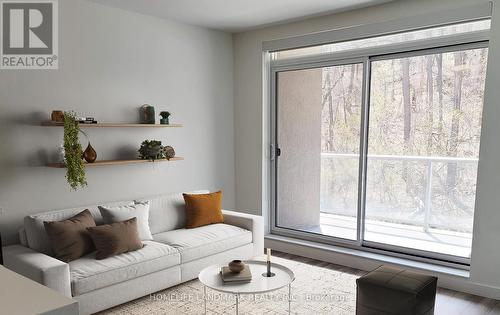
[(466, 42), (275, 145), (406, 250)]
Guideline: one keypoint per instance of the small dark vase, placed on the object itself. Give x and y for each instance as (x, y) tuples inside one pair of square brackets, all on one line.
[(164, 118), (89, 154), (236, 266)]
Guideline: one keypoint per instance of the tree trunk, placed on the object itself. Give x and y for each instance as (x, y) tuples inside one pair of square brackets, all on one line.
[(330, 113), (393, 66), (451, 174), (430, 101), (345, 103), (351, 88), (439, 80), (405, 62)]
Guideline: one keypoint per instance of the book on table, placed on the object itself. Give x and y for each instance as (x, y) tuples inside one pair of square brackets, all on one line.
[(229, 277)]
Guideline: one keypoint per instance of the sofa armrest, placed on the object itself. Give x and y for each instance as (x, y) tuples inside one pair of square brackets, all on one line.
[(39, 267), (253, 223)]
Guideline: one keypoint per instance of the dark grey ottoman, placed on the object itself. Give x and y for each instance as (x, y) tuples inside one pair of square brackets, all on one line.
[(388, 290)]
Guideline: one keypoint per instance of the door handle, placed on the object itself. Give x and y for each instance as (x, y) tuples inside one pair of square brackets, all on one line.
[(275, 152)]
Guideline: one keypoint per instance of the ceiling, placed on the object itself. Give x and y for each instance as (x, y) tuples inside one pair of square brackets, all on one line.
[(237, 15)]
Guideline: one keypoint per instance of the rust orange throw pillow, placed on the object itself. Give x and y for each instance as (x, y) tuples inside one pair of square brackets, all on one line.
[(203, 209)]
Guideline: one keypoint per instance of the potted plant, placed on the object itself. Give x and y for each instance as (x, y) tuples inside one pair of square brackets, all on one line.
[(164, 118), (152, 150), (75, 169)]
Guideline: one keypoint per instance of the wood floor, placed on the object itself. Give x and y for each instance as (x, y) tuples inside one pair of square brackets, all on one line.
[(448, 302)]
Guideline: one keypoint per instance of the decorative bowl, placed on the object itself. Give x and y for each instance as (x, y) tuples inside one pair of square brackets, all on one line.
[(236, 266)]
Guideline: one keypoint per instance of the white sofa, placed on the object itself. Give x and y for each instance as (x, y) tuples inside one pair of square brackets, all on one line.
[(174, 256)]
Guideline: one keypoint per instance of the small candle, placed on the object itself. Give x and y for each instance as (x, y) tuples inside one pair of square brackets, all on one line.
[(268, 254)]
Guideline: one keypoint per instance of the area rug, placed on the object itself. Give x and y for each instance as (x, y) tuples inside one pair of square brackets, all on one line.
[(317, 289)]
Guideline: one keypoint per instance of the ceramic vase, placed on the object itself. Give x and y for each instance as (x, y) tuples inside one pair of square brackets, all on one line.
[(90, 155), (236, 266), (148, 114)]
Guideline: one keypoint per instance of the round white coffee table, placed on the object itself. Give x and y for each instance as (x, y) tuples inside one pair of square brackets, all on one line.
[(210, 277)]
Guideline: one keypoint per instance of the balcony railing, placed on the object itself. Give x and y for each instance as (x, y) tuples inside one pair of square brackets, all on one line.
[(429, 161)]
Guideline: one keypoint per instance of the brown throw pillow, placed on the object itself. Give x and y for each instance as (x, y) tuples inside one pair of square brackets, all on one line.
[(116, 238), (203, 209), (69, 239)]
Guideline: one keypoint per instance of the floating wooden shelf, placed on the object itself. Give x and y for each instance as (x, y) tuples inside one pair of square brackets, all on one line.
[(110, 125), (116, 162)]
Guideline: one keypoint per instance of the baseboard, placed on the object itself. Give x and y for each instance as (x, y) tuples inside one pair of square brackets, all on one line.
[(450, 278)]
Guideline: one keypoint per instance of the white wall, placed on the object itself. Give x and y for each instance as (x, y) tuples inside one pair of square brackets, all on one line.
[(298, 92), (250, 141), (111, 62), (485, 264)]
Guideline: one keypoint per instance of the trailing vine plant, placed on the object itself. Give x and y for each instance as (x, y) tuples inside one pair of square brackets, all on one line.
[(75, 169)]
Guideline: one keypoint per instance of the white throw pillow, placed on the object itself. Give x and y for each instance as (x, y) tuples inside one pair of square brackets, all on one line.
[(122, 213), (167, 212)]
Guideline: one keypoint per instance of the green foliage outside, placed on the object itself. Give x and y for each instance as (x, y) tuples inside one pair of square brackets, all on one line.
[(422, 108)]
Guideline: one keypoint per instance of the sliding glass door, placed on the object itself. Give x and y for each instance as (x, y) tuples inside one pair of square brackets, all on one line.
[(380, 150), (318, 130), (423, 149)]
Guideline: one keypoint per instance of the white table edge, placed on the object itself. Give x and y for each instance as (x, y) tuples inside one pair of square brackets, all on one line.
[(286, 269)]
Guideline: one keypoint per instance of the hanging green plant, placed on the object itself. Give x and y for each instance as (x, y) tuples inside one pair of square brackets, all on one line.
[(75, 169)]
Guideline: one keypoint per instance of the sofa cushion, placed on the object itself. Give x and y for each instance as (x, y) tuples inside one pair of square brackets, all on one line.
[(22, 237), (203, 209), (167, 212), (88, 274), (205, 241), (36, 236), (115, 238), (122, 213), (69, 238)]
